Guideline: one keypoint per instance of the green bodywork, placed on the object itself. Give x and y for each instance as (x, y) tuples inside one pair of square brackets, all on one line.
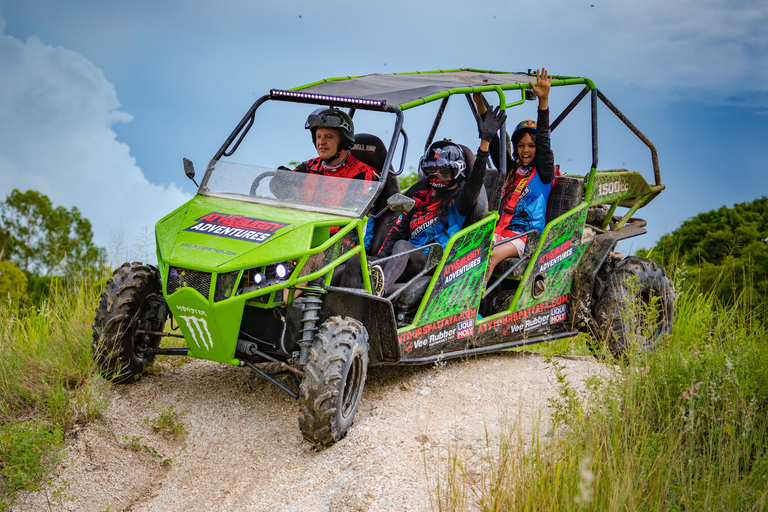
[(210, 324)]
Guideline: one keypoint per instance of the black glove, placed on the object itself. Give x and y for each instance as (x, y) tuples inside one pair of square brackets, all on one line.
[(488, 127)]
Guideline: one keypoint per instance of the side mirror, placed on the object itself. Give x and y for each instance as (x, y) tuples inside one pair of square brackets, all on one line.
[(189, 170), (398, 203)]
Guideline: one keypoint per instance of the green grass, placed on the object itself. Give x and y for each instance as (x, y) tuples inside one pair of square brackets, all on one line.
[(682, 428), (168, 421), (46, 384)]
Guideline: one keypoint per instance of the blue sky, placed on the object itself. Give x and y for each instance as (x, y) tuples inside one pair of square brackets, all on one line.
[(101, 100)]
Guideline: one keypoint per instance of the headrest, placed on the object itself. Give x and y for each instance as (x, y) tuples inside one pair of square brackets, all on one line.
[(370, 150)]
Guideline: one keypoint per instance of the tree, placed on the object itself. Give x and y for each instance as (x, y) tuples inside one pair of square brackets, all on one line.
[(724, 251), (44, 240)]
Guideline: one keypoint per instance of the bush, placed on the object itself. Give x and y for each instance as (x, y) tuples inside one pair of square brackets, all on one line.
[(13, 282)]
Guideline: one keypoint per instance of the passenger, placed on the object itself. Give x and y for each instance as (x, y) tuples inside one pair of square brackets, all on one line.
[(333, 134), (529, 176), (444, 198)]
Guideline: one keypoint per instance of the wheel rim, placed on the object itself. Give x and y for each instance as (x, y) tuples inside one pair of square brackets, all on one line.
[(352, 386)]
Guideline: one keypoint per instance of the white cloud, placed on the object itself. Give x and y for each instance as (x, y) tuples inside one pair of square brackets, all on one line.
[(57, 111)]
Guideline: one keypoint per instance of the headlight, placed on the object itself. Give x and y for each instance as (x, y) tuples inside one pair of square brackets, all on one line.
[(261, 277)]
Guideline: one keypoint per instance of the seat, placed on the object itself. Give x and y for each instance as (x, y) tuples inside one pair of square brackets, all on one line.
[(370, 150), (567, 193)]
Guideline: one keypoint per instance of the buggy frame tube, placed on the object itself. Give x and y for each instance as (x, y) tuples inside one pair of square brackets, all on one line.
[(638, 133), (593, 169), (244, 126), (268, 377), (436, 122)]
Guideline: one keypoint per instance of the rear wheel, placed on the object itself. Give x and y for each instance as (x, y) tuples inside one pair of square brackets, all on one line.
[(129, 303), (633, 304), (333, 381)]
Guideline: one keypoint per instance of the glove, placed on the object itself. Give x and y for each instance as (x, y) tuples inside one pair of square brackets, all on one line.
[(488, 127)]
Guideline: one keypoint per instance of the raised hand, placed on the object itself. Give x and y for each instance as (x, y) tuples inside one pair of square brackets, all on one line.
[(541, 87), (488, 127)]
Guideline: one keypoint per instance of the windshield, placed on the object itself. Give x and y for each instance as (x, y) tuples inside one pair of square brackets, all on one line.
[(287, 189)]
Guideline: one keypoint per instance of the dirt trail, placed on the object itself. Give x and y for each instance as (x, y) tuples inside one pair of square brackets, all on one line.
[(244, 450)]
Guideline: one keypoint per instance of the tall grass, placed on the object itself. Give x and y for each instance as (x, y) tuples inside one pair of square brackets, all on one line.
[(682, 428), (46, 383)]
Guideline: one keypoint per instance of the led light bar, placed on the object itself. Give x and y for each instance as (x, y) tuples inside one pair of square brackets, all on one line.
[(278, 93)]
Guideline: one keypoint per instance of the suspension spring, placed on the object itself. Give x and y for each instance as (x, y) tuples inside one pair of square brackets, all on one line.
[(312, 303)]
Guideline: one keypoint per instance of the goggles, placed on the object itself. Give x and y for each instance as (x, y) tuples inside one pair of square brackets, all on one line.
[(446, 169), (328, 121)]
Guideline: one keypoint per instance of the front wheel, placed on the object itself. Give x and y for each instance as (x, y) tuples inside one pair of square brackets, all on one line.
[(130, 302), (333, 381), (634, 301)]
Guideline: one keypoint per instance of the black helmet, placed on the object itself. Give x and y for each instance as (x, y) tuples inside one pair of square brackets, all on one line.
[(331, 118), (443, 164)]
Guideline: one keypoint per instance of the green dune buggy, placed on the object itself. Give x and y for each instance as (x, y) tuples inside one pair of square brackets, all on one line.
[(248, 268)]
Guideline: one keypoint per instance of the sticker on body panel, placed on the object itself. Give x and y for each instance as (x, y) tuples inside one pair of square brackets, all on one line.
[(557, 314), (552, 257), (527, 319), (235, 227), (462, 265), (439, 332), (198, 328)]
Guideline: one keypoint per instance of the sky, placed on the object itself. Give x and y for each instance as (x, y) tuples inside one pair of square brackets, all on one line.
[(100, 100)]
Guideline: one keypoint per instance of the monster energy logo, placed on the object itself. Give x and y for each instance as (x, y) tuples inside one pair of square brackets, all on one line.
[(198, 327)]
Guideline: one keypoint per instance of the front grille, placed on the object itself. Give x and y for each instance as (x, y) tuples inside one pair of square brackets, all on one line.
[(225, 283), (181, 277)]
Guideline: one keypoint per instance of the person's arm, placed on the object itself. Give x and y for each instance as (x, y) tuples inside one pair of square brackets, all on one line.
[(545, 160), (494, 147), (479, 103), (467, 196), (400, 231)]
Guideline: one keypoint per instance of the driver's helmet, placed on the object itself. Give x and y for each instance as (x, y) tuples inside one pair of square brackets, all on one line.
[(527, 126), (332, 118), (443, 165)]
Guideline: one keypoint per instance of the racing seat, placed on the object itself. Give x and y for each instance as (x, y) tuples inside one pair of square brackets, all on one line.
[(370, 150)]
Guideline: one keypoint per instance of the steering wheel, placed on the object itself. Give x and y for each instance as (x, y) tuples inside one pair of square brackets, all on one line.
[(257, 181)]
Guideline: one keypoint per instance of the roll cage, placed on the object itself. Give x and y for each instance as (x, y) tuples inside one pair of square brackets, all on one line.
[(397, 92)]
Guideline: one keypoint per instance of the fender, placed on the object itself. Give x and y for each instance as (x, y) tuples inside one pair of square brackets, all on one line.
[(376, 314)]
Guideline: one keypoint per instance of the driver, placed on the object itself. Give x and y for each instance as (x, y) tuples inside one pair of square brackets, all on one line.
[(333, 134)]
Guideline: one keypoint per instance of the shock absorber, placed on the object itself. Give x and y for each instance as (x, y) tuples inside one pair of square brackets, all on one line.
[(312, 303)]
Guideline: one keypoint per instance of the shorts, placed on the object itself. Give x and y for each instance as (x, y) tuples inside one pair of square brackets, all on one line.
[(519, 243)]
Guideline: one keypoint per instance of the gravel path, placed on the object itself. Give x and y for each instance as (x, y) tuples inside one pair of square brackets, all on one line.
[(244, 450)]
